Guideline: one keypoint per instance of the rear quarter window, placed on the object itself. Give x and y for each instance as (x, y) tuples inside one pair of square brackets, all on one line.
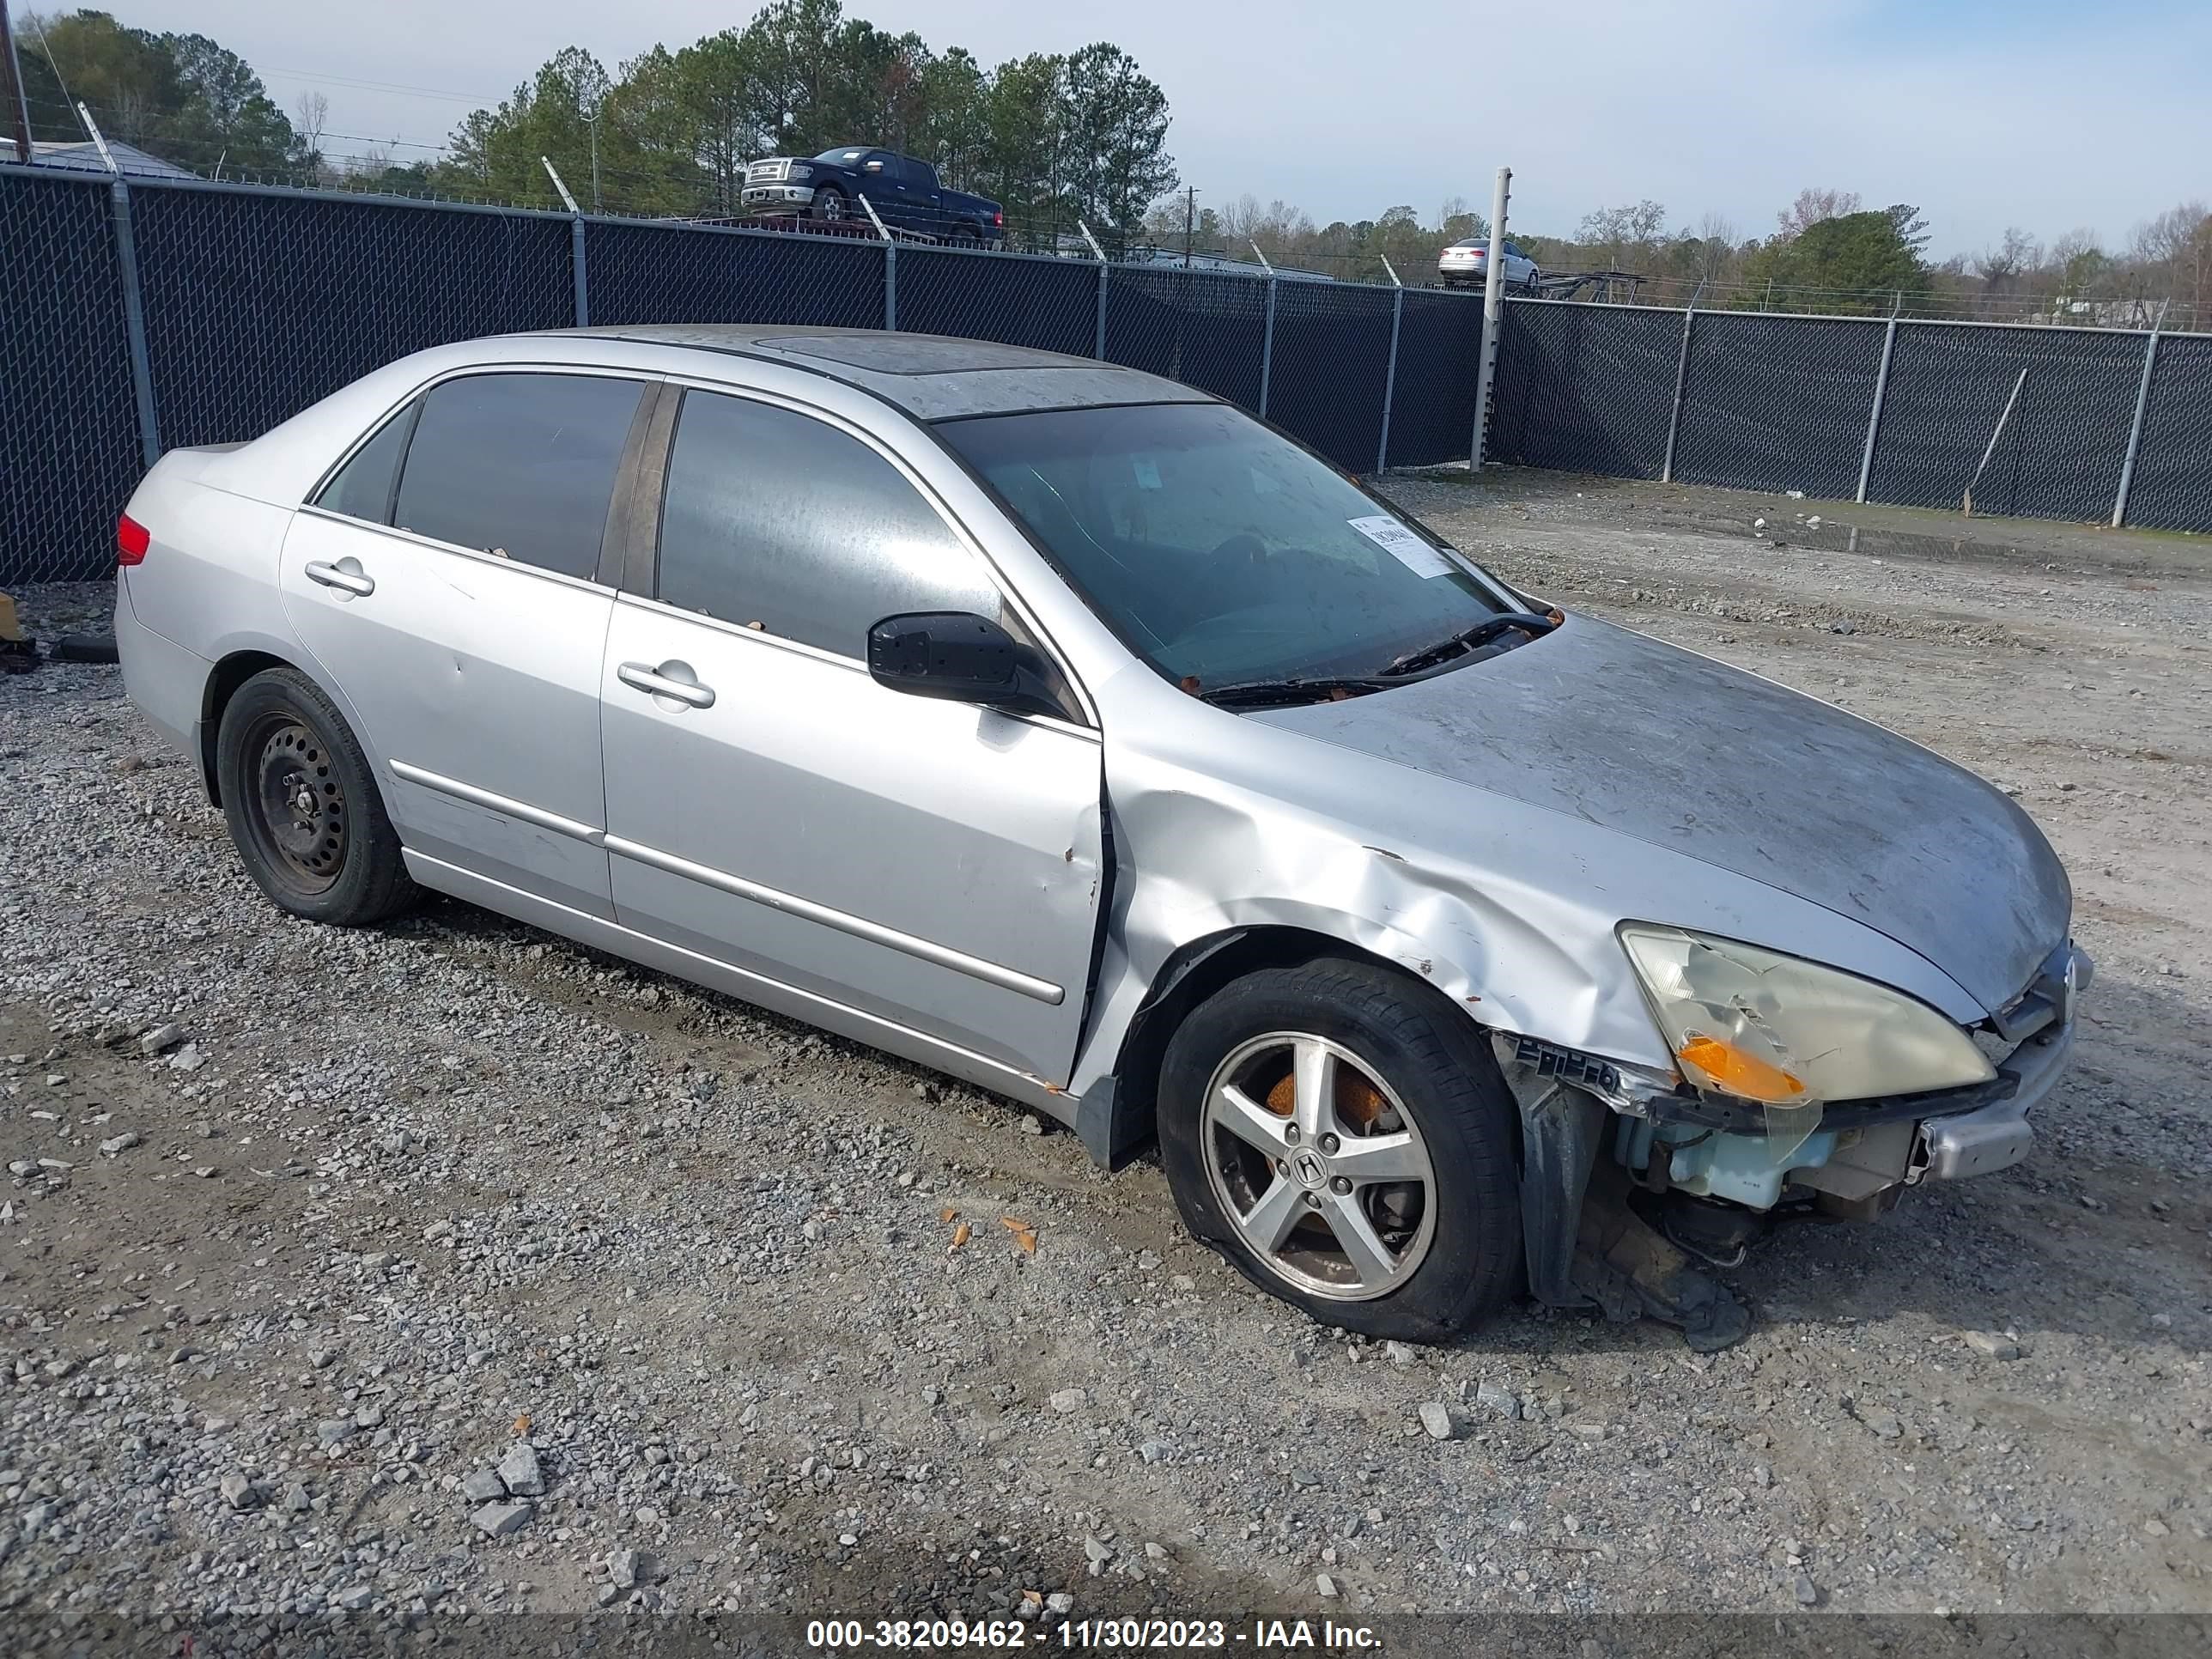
[(361, 489)]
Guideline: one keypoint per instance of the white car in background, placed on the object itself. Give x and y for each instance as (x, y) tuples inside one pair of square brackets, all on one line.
[(1465, 263)]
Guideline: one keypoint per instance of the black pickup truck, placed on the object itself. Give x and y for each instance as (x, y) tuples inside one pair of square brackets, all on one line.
[(903, 192)]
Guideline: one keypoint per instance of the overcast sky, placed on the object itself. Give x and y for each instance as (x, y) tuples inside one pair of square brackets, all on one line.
[(2042, 113)]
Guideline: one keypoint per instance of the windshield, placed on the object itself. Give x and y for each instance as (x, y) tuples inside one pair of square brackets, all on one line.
[(847, 156), (1215, 548)]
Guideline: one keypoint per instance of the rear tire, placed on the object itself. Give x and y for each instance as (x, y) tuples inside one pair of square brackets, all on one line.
[(303, 807), (1414, 1148)]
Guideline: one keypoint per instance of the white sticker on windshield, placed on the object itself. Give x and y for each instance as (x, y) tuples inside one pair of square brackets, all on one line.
[(1402, 544), (1148, 472)]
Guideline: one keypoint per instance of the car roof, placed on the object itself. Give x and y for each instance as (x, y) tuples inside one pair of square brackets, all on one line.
[(932, 377)]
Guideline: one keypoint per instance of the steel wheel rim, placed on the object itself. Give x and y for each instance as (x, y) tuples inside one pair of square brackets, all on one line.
[(1339, 1196), (296, 803)]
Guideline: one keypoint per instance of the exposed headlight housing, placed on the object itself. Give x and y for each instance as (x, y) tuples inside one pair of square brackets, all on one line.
[(1787, 1033)]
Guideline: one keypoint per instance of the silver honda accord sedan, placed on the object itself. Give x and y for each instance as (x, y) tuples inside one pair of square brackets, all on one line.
[(1065, 729)]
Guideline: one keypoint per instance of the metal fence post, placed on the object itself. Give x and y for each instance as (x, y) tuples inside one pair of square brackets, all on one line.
[(890, 266), (2135, 428), (1682, 379), (134, 306), (1881, 391), (1267, 333), (1099, 337), (575, 243), (1390, 374)]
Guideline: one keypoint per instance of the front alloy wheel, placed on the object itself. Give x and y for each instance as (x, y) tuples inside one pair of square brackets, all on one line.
[(1340, 1131), (1319, 1166)]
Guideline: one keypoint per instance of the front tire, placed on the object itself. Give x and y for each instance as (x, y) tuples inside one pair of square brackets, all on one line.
[(1345, 1137), (303, 807), (830, 206)]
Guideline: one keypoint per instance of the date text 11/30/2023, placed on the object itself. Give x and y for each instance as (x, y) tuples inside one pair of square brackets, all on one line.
[(1102, 1635)]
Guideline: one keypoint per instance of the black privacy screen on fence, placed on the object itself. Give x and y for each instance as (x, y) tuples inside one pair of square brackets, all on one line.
[(1015, 299), (1586, 388), (2059, 456), (259, 305), (1432, 394), (69, 430), (253, 303), (1777, 403), (2173, 474), (1327, 368), (642, 273), (1201, 327)]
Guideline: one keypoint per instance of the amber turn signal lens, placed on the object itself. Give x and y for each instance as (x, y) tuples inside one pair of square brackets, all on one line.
[(1739, 1073)]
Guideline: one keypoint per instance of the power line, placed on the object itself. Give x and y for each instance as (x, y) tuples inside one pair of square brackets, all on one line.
[(313, 77)]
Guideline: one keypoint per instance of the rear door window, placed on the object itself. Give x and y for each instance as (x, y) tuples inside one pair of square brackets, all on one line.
[(518, 465), (775, 520)]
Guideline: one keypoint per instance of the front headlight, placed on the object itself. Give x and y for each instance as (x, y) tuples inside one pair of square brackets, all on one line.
[(1783, 1032), (798, 172)]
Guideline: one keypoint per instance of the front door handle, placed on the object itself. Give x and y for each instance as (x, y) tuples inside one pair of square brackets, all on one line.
[(346, 576), (664, 682)]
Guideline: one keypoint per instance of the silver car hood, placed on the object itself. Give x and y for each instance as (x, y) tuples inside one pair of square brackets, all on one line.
[(1676, 749)]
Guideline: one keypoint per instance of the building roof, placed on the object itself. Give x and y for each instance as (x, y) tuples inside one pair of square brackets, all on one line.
[(932, 377), (83, 156)]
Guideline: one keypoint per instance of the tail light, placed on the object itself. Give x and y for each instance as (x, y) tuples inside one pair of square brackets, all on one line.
[(999, 218), (132, 540)]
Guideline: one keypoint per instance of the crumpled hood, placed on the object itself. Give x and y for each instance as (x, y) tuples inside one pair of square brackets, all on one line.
[(1671, 748)]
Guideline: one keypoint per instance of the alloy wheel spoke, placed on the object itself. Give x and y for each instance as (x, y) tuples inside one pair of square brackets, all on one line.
[(1314, 1071), (1274, 1213), (1362, 1245), (1248, 1121), (1381, 1158)]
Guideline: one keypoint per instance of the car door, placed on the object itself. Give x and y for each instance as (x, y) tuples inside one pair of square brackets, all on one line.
[(882, 181), (446, 578), (770, 805)]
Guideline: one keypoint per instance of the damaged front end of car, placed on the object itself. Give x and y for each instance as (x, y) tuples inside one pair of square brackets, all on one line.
[(1633, 1176)]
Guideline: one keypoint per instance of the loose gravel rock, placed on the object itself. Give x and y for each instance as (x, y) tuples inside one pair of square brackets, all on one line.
[(408, 1197)]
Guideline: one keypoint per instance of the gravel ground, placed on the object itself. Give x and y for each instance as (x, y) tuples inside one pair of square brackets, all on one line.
[(449, 1268)]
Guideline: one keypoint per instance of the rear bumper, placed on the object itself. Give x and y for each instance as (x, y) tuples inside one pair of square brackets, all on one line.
[(167, 682)]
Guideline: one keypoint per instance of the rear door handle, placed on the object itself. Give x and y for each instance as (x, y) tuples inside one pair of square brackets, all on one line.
[(355, 582), (660, 682)]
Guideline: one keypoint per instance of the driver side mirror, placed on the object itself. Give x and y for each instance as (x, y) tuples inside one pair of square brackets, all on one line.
[(956, 657)]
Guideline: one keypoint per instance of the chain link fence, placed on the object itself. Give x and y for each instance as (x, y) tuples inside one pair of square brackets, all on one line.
[(2172, 489), (189, 313), (258, 304), (69, 449), (1431, 395), (2082, 424), (1778, 403), (1585, 388)]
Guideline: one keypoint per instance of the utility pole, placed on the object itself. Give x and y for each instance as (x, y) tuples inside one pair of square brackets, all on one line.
[(19, 107), (1493, 315), (1189, 221)]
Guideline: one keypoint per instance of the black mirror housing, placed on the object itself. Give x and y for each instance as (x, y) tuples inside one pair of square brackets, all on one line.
[(952, 654)]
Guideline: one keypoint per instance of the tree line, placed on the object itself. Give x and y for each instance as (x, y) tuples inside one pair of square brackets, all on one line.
[(1057, 138)]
